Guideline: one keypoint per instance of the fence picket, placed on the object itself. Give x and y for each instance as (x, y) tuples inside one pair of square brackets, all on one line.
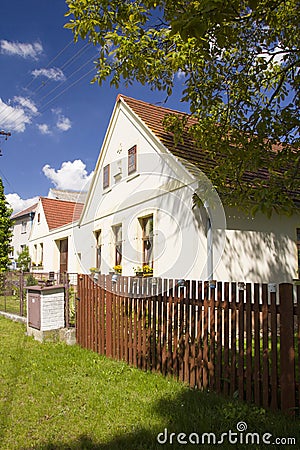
[(233, 306), (226, 341), (190, 333), (256, 373), (249, 371), (265, 350)]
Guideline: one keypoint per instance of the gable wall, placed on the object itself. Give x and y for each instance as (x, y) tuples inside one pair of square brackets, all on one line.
[(140, 194), (254, 250)]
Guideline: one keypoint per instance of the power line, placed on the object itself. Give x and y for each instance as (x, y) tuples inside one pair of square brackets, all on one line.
[(7, 134), (69, 87), (63, 82), (52, 60), (67, 63), (43, 108)]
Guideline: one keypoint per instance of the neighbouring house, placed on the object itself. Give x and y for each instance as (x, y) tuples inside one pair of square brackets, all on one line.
[(138, 213), (51, 244), (21, 230), (68, 196)]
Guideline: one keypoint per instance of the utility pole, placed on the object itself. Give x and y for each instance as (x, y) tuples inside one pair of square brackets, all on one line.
[(7, 134)]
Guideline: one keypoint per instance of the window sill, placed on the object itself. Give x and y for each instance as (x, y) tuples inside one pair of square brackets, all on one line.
[(132, 177)]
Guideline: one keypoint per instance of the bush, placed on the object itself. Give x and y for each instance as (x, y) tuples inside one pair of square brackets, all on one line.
[(31, 281)]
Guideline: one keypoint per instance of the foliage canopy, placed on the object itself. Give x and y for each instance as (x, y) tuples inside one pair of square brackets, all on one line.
[(24, 259), (5, 230), (239, 66)]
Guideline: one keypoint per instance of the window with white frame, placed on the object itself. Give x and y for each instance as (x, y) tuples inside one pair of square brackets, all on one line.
[(132, 160), (146, 224), (117, 231), (98, 248), (35, 255), (106, 176), (23, 227), (41, 254)]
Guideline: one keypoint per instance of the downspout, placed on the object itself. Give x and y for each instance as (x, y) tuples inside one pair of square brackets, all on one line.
[(209, 243)]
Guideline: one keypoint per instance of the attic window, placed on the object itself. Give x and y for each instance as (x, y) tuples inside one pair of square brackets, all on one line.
[(132, 160), (106, 177), (39, 217)]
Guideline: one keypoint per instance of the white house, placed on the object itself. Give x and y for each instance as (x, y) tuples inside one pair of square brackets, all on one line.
[(21, 230), (50, 242), (139, 212)]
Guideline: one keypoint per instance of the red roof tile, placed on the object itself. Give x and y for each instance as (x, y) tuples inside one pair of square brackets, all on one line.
[(153, 115), (59, 212)]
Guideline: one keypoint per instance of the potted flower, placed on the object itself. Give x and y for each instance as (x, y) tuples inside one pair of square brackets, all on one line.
[(94, 271), (118, 269), (147, 271)]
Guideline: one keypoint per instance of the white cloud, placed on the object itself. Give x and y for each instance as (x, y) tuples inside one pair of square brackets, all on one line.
[(43, 128), (71, 175), (54, 74), (18, 204), (16, 117), (26, 103), (63, 123), (25, 50), (181, 74)]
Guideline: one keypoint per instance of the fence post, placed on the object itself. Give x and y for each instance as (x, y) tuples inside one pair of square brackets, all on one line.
[(21, 284), (67, 301), (109, 300), (287, 352)]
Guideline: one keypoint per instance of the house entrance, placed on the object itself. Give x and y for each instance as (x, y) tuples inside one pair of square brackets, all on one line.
[(63, 251)]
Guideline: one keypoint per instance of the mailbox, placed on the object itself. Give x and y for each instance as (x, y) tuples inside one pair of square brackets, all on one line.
[(45, 307)]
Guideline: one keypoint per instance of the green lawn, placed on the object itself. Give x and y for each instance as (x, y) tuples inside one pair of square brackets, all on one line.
[(11, 304), (57, 397)]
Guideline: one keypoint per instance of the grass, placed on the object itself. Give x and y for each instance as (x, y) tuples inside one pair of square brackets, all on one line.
[(11, 304), (57, 397)]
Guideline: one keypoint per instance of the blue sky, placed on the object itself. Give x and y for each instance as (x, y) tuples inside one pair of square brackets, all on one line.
[(56, 117)]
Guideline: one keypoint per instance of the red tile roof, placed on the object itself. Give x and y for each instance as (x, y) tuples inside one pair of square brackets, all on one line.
[(185, 151), (59, 212)]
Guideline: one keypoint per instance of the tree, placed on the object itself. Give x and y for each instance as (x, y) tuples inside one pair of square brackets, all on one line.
[(239, 62), (5, 230), (24, 260)]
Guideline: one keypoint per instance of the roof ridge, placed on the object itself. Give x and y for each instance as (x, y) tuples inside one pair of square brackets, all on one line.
[(153, 105)]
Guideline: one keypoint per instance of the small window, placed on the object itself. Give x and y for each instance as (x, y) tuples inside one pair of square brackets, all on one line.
[(298, 250), (132, 160), (117, 230), (24, 226), (98, 248), (106, 177), (147, 239), (41, 251), (39, 217)]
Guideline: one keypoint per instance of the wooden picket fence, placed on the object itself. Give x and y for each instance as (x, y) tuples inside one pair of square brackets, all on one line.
[(234, 338)]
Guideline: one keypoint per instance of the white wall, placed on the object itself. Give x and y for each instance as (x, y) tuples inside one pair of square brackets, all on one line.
[(52, 309), (153, 189), (20, 238), (257, 250), (260, 249), (50, 239)]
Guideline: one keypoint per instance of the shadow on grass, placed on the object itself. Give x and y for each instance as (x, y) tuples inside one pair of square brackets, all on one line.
[(196, 414)]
